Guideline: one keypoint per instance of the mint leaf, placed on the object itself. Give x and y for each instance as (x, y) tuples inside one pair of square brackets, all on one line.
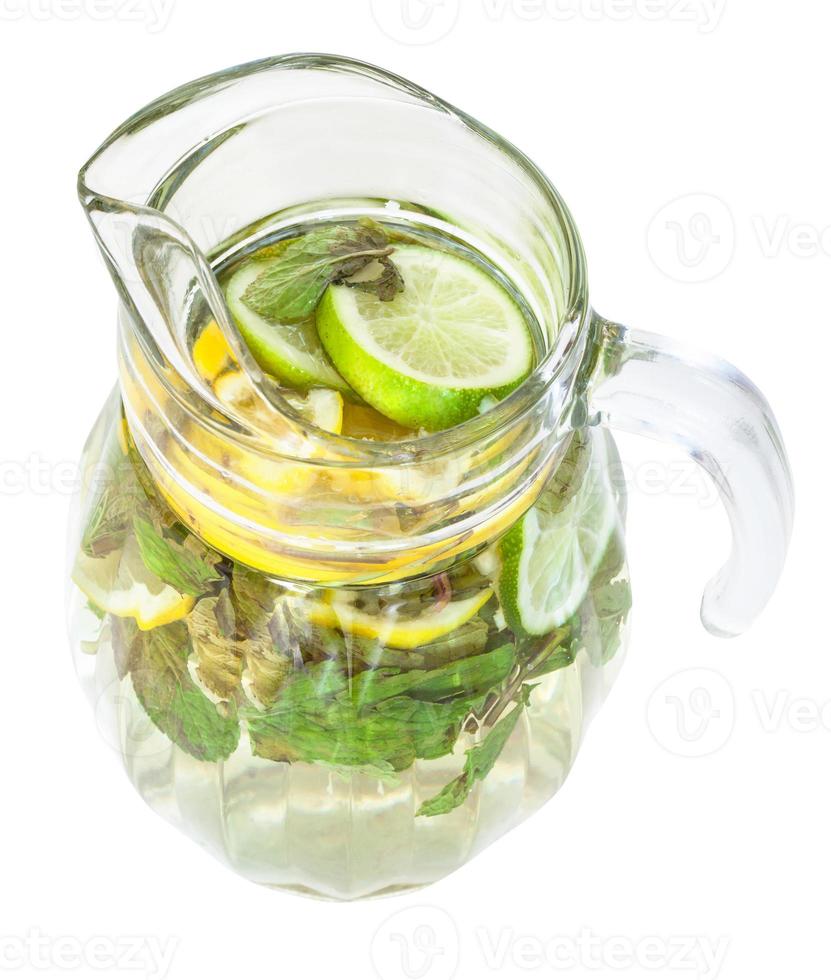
[(216, 653), (559, 651), (172, 562), (303, 726), (234, 655), (569, 475), (175, 705), (471, 677), (607, 605), (468, 640), (382, 718), (605, 612), (293, 282), (478, 764), (381, 277), (117, 496)]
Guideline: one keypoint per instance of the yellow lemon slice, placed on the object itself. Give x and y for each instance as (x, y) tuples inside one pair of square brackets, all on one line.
[(121, 584), (403, 634), (211, 352)]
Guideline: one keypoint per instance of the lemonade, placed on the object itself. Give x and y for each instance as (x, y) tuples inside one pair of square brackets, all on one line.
[(320, 730)]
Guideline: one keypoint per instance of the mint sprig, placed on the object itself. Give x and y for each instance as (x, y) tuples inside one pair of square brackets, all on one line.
[(478, 763), (293, 282), (385, 718), (174, 564), (159, 672)]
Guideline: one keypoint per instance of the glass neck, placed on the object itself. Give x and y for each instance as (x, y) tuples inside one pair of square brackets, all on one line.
[(240, 153)]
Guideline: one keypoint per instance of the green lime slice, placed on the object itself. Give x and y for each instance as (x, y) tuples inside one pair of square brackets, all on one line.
[(550, 557), (427, 358), (291, 352)]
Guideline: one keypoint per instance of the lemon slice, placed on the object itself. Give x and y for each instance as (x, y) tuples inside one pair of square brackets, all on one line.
[(550, 557), (291, 352), (430, 356), (121, 584), (211, 352), (403, 634), (322, 407)]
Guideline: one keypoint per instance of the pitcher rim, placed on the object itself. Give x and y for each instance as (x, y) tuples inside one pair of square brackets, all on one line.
[(557, 365)]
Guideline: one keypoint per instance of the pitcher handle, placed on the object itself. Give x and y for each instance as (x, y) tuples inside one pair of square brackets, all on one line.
[(646, 384)]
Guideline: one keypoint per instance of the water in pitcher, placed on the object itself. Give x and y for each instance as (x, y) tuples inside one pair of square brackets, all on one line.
[(344, 735)]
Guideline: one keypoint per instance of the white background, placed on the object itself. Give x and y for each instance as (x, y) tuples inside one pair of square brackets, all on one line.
[(628, 105)]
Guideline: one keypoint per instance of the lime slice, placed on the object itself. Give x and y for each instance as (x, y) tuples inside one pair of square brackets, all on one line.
[(393, 631), (122, 585), (291, 352), (428, 357), (550, 557)]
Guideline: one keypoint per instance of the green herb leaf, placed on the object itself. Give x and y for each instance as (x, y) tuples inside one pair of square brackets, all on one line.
[(117, 496), (469, 640), (235, 656), (380, 277), (561, 652), (123, 634), (471, 677), (293, 282), (604, 614), (569, 475), (174, 564), (175, 705), (217, 655), (382, 718), (601, 618), (478, 764)]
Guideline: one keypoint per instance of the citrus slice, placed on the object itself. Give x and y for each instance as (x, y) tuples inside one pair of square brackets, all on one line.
[(428, 357), (549, 558), (291, 352), (403, 634), (121, 584), (322, 407), (212, 353)]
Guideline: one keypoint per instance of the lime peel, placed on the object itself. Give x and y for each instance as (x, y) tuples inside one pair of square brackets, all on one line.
[(428, 357)]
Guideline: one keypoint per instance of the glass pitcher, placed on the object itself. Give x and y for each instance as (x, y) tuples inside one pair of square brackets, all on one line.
[(345, 666)]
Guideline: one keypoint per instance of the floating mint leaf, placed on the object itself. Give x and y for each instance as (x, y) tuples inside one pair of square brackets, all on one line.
[(218, 659), (382, 718), (479, 762), (173, 563), (175, 705), (117, 496), (293, 282), (380, 277), (603, 616)]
